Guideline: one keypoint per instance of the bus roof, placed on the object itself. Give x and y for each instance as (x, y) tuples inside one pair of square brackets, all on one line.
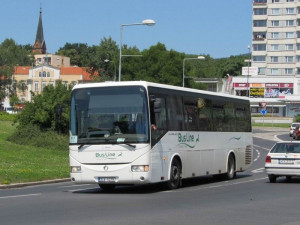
[(151, 84)]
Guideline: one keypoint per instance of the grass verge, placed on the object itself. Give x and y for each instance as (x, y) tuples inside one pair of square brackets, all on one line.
[(24, 163), (282, 125)]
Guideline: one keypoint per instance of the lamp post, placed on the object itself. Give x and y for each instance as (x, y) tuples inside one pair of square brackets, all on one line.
[(248, 61), (147, 22), (200, 57)]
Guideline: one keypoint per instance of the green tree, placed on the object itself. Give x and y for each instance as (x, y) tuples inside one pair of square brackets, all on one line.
[(49, 110), (11, 55)]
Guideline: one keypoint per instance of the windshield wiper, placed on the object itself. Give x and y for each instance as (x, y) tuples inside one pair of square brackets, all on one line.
[(80, 146), (133, 146)]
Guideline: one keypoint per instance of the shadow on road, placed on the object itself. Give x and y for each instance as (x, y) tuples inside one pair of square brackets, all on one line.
[(159, 187)]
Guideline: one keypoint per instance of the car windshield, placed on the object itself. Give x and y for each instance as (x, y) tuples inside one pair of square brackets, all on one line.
[(109, 115), (286, 148), (295, 124)]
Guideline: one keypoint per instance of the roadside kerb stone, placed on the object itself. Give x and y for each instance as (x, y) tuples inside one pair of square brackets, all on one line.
[(17, 185)]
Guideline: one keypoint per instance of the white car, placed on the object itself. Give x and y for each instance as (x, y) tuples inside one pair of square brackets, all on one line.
[(283, 160), (292, 128)]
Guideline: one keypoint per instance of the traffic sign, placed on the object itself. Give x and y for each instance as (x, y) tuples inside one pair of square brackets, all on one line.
[(263, 111), (263, 104)]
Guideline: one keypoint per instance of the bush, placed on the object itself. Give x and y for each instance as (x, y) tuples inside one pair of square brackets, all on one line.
[(34, 136), (297, 118), (4, 116)]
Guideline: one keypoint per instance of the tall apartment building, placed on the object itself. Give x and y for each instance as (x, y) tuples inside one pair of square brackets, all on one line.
[(276, 37)]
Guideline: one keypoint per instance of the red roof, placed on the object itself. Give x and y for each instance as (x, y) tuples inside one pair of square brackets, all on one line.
[(22, 69), (76, 71)]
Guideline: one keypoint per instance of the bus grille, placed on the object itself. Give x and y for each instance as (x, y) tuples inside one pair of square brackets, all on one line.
[(248, 155)]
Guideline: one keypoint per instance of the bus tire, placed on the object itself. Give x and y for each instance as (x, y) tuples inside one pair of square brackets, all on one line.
[(272, 178), (175, 175), (107, 187), (231, 173)]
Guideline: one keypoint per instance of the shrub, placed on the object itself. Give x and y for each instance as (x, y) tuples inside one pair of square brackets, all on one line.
[(4, 116), (34, 136), (297, 118)]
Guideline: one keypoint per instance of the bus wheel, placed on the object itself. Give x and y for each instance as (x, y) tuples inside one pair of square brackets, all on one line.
[(107, 187), (230, 168), (175, 175)]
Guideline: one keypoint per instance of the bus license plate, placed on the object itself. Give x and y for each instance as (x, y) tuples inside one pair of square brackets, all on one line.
[(286, 161), (107, 179)]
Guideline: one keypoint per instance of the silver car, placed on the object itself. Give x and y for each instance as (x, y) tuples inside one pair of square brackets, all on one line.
[(283, 160)]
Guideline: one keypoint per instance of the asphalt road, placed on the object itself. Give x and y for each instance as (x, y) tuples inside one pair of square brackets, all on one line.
[(249, 199)]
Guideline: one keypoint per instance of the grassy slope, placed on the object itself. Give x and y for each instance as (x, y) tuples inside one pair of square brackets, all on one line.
[(22, 163)]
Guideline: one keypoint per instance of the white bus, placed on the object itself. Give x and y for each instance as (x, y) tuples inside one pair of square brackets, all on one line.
[(124, 133)]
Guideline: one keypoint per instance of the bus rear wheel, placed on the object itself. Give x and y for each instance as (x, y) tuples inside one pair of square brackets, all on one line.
[(175, 175), (107, 187)]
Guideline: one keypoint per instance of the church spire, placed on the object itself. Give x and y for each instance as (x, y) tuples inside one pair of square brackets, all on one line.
[(39, 46)]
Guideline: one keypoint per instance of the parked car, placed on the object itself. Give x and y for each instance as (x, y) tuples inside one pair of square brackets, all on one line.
[(296, 132), (293, 125), (283, 160), (10, 110)]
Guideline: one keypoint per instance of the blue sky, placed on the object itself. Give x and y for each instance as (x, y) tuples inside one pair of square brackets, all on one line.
[(220, 28)]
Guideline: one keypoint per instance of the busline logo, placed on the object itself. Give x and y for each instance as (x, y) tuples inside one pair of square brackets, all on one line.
[(188, 139), (108, 155)]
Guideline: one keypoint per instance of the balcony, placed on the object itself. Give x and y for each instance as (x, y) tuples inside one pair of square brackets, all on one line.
[(259, 2)]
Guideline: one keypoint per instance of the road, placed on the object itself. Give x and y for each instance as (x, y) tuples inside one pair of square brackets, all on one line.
[(249, 199)]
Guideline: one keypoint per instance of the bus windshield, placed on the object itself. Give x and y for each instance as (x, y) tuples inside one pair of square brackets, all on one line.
[(109, 115)]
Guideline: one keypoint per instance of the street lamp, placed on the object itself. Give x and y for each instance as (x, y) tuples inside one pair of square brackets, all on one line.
[(200, 57), (248, 61), (147, 22)]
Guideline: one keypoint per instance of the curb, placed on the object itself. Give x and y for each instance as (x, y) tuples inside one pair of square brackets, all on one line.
[(17, 185)]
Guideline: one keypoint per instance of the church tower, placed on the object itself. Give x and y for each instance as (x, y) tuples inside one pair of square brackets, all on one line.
[(39, 46)]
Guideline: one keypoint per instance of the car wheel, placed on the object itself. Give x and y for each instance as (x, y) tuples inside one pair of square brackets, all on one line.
[(272, 178), (107, 187), (175, 175), (288, 178)]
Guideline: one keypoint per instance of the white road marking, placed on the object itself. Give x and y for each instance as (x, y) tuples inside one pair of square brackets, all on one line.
[(257, 146), (258, 155), (76, 185), (18, 196), (260, 170), (221, 185)]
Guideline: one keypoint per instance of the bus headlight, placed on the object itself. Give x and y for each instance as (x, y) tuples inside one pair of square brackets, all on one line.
[(144, 168), (75, 169)]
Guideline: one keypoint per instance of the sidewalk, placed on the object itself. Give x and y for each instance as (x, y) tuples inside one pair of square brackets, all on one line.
[(18, 185)]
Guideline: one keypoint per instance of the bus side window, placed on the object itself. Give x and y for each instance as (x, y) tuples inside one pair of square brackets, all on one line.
[(158, 118)]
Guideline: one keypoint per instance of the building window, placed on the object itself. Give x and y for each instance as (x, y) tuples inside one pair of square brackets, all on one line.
[(36, 86), (290, 10), (259, 35), (274, 59), (261, 70), (289, 23), (274, 71), (48, 74), (259, 47), (274, 47), (289, 34), (289, 59), (259, 58), (275, 1), (275, 11), (274, 23), (40, 74), (275, 35), (298, 58), (259, 23), (289, 0), (289, 47), (260, 11), (51, 83), (288, 71), (65, 83), (43, 85)]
